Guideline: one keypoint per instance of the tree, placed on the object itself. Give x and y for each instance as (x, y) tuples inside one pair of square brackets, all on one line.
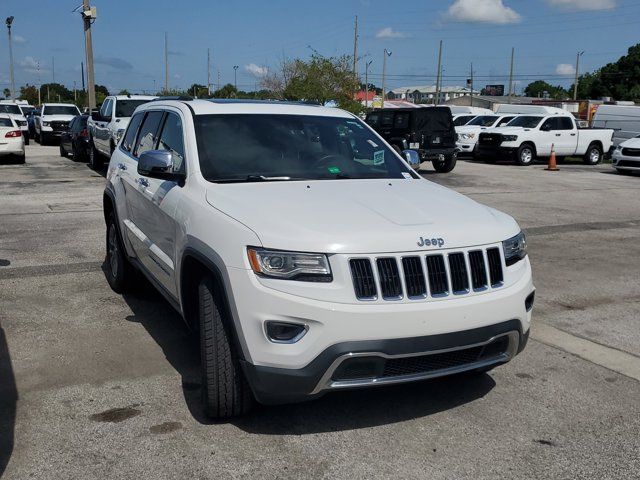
[(539, 87), (124, 92), (6, 92), (197, 90), (29, 93), (228, 91), (54, 92)]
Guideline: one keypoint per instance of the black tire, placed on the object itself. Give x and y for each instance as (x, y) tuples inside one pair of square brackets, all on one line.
[(78, 155), (622, 171), (446, 165), (63, 152), (95, 160), (26, 139), (526, 155), (225, 391), (593, 155), (118, 270), (489, 160), (43, 139), (21, 159)]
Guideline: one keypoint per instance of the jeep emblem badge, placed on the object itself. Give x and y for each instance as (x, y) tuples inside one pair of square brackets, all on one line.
[(431, 242)]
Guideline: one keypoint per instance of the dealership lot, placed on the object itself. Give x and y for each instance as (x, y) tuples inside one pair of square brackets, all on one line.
[(94, 385)]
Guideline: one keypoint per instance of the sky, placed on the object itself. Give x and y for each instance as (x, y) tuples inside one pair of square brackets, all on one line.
[(128, 39)]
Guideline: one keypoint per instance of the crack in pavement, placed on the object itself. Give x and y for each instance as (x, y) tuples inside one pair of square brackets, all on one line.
[(45, 270)]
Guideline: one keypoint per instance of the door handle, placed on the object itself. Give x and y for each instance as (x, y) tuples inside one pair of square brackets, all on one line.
[(122, 166), (558, 134), (573, 134), (143, 182)]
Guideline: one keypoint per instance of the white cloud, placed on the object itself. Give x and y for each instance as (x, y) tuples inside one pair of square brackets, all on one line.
[(30, 65), (565, 69), (482, 11), (584, 4), (389, 32), (256, 70), (19, 39)]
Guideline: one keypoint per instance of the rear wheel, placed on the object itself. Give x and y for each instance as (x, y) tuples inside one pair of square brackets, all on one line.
[(622, 171), (118, 270), (526, 155), (26, 138), (446, 165), (43, 139), (95, 160), (63, 152), (225, 391), (593, 155)]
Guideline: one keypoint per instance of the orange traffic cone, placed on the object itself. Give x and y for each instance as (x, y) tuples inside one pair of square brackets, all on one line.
[(553, 166)]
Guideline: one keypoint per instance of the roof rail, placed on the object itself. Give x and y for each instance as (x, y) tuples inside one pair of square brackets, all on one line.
[(260, 101), (173, 97)]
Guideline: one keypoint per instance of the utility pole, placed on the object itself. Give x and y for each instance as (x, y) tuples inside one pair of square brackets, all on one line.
[(439, 80), (53, 69), (384, 73), (13, 83), (166, 65), (75, 93), (366, 83), (472, 84), (355, 49), (513, 50), (82, 73), (39, 81), (218, 87), (88, 17), (235, 77), (208, 72), (575, 84)]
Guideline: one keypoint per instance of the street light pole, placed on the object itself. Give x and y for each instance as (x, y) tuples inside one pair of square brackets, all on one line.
[(366, 83), (235, 77), (88, 16), (386, 54), (575, 84), (13, 83)]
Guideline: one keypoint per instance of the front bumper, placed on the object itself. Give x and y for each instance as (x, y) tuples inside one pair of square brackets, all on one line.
[(427, 154), (624, 162), (465, 148), (497, 151)]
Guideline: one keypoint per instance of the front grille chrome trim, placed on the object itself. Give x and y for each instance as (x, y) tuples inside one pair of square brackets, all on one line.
[(327, 383)]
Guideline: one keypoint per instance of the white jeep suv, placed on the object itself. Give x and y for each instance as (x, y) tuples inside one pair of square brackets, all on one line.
[(307, 253)]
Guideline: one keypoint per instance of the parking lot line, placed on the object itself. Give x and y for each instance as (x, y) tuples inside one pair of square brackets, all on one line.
[(610, 358)]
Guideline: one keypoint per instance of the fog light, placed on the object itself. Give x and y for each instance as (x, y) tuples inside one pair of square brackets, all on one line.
[(282, 332), (528, 303)]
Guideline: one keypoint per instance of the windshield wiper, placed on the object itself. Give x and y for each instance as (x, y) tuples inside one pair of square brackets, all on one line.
[(252, 178)]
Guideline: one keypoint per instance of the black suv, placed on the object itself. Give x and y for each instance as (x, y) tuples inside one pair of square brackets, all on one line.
[(428, 130)]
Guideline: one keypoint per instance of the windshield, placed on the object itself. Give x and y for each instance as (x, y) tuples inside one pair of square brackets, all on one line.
[(245, 148), (125, 108), (13, 109), (484, 120), (6, 122), (463, 120), (26, 110), (60, 110), (525, 122)]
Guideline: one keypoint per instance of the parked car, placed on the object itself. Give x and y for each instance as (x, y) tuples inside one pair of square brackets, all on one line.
[(11, 138), (462, 119), (528, 137), (26, 109), (75, 140), (53, 120), (428, 131), (13, 110), (106, 126), (468, 134), (626, 156), (623, 119), (307, 255)]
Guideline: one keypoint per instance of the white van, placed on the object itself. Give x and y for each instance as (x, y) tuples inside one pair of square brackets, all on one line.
[(623, 119)]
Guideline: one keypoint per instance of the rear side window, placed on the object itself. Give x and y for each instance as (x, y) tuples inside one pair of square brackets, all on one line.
[(171, 140), (130, 135), (504, 121), (148, 136), (565, 123), (5, 122)]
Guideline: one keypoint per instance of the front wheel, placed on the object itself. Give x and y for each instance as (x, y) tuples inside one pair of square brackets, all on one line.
[(526, 155), (593, 155), (95, 160), (225, 391), (446, 165)]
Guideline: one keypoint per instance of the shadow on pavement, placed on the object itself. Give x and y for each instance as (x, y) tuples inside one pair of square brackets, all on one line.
[(8, 401), (346, 410)]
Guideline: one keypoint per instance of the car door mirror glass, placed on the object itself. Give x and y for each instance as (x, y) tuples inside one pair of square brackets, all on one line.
[(157, 164), (412, 157), (96, 116)]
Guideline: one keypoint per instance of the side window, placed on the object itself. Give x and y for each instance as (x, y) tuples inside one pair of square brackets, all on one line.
[(504, 121), (566, 123), (105, 108), (130, 134), (72, 123), (549, 124), (171, 140), (148, 136)]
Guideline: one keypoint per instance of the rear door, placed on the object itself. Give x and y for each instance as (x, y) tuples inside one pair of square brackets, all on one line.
[(565, 136), (101, 134)]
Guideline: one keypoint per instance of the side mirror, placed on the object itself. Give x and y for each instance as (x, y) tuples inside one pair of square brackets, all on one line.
[(157, 164), (545, 128), (413, 158), (96, 116)]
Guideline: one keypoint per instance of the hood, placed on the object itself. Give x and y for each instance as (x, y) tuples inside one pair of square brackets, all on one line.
[(359, 216), (631, 143), (471, 129), (508, 130), (58, 118)]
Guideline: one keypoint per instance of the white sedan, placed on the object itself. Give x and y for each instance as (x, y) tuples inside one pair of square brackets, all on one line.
[(626, 156), (11, 139)]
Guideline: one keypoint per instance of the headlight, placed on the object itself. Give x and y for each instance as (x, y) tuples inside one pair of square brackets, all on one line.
[(509, 138), (467, 136), (515, 249), (308, 267), (45, 124)]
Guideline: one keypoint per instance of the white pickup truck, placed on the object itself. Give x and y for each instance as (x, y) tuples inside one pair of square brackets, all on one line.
[(107, 125), (528, 137)]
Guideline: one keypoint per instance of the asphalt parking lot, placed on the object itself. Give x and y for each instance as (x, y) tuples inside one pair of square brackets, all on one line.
[(96, 385)]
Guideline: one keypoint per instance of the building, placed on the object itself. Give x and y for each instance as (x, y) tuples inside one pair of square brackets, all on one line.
[(427, 93)]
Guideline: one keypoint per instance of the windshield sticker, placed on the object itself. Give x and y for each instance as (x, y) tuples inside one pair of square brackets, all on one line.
[(407, 175), (378, 157), (334, 170), (372, 143)]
